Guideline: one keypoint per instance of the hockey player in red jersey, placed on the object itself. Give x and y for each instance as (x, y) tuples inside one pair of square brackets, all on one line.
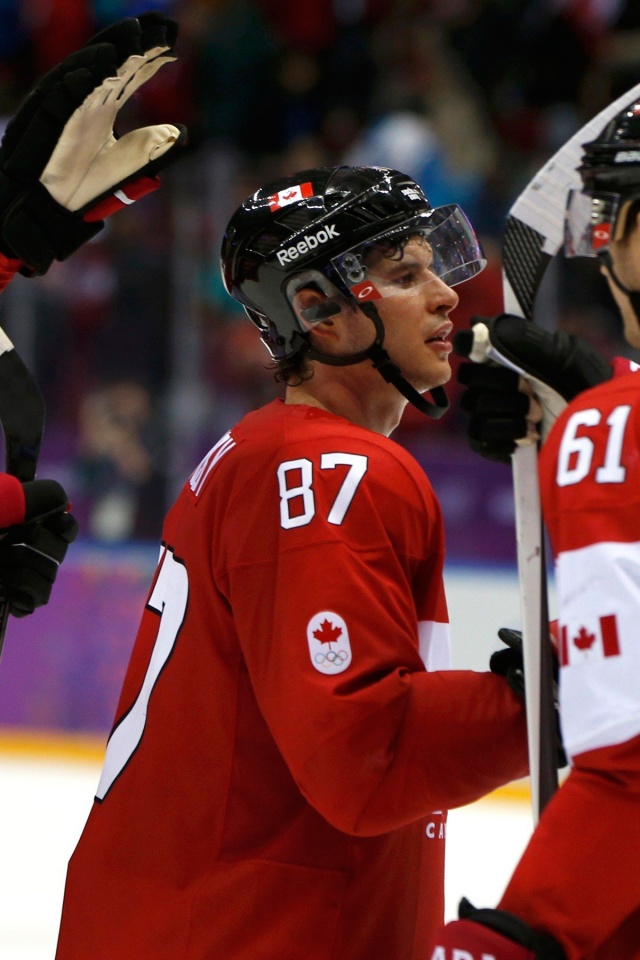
[(289, 736), (575, 893)]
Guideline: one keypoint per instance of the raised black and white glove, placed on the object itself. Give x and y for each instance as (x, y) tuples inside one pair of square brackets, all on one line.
[(63, 168), (506, 351), (37, 530), (509, 663)]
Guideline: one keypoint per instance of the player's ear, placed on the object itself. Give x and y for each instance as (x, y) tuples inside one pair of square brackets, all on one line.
[(313, 307)]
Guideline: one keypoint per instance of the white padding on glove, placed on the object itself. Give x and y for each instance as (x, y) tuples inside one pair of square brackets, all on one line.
[(89, 160)]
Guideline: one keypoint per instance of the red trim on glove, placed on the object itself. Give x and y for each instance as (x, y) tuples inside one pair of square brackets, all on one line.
[(8, 270), (12, 501), (122, 198)]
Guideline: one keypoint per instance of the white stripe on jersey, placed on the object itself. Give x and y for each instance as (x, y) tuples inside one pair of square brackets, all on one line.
[(599, 599), (199, 476), (435, 644)]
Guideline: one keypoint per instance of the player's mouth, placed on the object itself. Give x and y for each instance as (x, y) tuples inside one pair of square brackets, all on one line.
[(440, 337)]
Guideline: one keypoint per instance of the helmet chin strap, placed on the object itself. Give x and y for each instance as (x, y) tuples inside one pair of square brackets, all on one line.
[(387, 369), (634, 295)]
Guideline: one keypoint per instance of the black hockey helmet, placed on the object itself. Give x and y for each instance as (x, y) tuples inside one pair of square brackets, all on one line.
[(298, 227), (610, 173)]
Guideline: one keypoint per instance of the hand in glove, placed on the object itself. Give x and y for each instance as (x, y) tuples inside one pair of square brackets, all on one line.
[(37, 530), (509, 663), (62, 166), (554, 366), (493, 933)]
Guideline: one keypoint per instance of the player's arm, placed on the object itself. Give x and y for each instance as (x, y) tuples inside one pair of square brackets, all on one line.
[(373, 740), (36, 529), (63, 167)]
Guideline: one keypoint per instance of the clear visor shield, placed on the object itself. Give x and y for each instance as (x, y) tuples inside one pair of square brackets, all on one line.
[(589, 223), (437, 244)]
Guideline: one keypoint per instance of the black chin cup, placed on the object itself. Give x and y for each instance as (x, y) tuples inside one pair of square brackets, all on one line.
[(634, 295)]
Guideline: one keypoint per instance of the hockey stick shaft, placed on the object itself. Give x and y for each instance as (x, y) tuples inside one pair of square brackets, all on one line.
[(542, 731)]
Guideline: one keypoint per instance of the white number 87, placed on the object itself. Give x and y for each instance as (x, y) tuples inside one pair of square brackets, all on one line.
[(302, 493)]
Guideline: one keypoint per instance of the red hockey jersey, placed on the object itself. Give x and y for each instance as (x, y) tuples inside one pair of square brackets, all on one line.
[(276, 781), (580, 877)]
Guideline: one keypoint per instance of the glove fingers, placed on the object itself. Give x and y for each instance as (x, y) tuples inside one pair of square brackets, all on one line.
[(490, 404), (125, 37), (498, 432), (512, 638), (157, 31), (137, 35), (63, 525), (486, 376), (140, 72), (38, 138), (33, 590)]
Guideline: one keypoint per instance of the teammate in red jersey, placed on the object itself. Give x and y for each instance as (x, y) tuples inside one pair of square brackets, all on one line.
[(288, 738), (575, 893)]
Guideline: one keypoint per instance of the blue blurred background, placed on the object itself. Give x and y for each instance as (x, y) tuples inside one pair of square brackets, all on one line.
[(143, 359)]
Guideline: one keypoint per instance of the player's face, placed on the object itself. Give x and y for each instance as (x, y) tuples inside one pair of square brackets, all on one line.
[(625, 256), (416, 314)]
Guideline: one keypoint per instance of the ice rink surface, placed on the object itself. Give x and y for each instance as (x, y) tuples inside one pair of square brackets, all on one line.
[(44, 801)]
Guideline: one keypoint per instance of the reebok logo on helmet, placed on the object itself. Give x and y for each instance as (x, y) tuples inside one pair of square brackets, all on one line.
[(307, 244)]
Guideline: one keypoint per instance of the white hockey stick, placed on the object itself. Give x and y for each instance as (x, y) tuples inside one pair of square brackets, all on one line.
[(534, 234)]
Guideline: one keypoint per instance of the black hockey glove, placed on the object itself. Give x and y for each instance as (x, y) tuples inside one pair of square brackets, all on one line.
[(558, 367), (494, 933), (32, 551), (509, 664), (63, 168)]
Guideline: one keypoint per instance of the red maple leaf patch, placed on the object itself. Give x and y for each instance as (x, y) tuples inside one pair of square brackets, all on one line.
[(327, 633), (584, 640)]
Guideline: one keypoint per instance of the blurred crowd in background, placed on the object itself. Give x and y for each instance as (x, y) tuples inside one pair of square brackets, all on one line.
[(143, 359)]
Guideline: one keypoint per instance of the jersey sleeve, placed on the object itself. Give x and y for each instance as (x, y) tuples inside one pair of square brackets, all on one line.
[(346, 562)]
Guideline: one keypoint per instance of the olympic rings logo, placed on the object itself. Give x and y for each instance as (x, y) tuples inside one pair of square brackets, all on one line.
[(333, 656)]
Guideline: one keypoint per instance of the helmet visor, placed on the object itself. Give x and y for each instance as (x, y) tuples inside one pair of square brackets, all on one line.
[(589, 223), (436, 244)]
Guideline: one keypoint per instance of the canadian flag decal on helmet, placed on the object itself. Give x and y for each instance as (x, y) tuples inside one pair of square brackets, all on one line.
[(284, 197)]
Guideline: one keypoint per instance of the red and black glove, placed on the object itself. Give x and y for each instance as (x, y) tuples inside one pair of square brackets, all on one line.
[(63, 168), (36, 529), (493, 935)]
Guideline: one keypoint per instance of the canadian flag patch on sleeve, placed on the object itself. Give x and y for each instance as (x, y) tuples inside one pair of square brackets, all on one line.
[(284, 197)]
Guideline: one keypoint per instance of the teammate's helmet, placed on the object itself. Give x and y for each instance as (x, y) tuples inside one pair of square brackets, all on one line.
[(313, 230), (610, 173), (611, 162)]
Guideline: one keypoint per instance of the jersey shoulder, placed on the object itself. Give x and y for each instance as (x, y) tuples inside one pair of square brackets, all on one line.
[(282, 432)]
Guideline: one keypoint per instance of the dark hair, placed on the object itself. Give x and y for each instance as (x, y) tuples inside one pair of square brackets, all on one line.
[(293, 370)]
